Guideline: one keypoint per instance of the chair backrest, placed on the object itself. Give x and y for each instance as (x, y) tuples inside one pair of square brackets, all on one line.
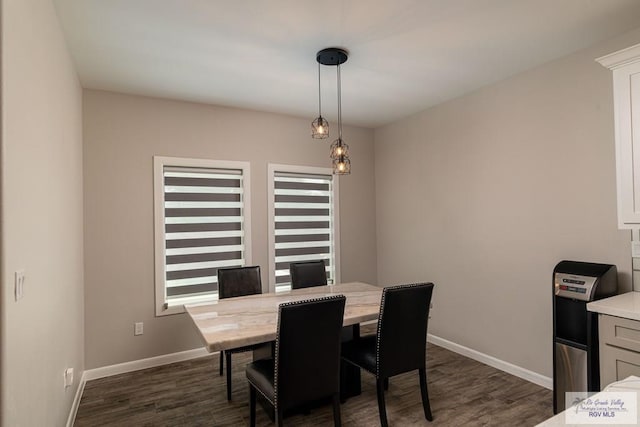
[(307, 355), (239, 281), (307, 274), (402, 328)]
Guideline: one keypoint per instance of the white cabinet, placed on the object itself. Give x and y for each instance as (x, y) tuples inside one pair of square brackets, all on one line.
[(625, 65), (619, 348)]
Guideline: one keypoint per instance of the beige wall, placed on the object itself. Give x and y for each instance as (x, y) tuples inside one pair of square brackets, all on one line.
[(122, 133), (484, 194), (42, 334)]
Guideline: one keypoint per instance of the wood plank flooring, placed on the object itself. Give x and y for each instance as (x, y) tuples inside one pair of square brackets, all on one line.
[(462, 392)]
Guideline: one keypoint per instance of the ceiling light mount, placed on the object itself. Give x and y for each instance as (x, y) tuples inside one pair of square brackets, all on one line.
[(332, 56)]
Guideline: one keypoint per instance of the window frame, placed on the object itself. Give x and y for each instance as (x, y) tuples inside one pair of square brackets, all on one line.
[(272, 169), (159, 163)]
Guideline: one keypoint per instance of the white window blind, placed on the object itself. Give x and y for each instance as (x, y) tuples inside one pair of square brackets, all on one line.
[(203, 229), (303, 223)]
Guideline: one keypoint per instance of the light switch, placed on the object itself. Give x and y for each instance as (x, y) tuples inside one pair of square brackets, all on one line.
[(68, 377), (19, 284), (138, 328)]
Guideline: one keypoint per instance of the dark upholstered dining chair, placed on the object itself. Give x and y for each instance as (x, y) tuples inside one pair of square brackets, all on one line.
[(307, 274), (237, 282), (306, 365), (399, 344)]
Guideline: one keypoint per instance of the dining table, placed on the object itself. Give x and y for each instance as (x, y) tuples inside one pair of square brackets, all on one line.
[(253, 319)]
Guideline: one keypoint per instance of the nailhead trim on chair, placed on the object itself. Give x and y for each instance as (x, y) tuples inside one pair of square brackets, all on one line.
[(380, 317), (285, 304)]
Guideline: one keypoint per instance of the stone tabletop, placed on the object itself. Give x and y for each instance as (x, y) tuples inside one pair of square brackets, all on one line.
[(237, 322)]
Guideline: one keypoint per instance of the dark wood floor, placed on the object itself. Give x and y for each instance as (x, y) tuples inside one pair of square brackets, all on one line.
[(463, 392)]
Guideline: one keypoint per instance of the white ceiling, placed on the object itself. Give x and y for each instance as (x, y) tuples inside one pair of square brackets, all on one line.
[(405, 55)]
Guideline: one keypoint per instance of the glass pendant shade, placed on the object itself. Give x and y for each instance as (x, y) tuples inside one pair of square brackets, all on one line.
[(320, 128), (339, 148), (342, 166)]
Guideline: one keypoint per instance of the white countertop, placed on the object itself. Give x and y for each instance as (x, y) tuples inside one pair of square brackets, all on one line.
[(625, 305), (629, 384)]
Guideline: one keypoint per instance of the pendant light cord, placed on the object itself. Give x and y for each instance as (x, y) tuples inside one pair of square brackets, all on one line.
[(339, 108), (319, 93)]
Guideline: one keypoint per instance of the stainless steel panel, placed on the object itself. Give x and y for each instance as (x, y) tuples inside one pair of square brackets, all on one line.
[(574, 286), (571, 372)]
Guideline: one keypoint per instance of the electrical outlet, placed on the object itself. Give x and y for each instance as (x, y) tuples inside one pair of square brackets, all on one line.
[(138, 328), (68, 377), (19, 284)]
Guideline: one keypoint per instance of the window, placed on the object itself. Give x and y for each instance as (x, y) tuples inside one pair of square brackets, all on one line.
[(303, 221), (201, 224)]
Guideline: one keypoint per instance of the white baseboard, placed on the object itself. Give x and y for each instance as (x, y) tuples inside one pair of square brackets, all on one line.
[(76, 402), (136, 365), (507, 367)]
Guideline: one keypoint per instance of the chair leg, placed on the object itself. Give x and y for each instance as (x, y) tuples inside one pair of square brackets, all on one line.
[(228, 357), (425, 394), (279, 417), (252, 406), (221, 361), (337, 422), (381, 406)]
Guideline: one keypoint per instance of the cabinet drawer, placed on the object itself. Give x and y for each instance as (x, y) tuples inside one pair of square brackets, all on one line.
[(619, 332), (617, 364)]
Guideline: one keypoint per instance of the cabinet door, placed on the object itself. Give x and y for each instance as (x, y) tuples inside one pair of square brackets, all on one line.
[(617, 364), (627, 121)]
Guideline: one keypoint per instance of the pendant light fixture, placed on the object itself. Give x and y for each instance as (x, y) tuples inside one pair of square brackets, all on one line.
[(339, 149), (320, 126)]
